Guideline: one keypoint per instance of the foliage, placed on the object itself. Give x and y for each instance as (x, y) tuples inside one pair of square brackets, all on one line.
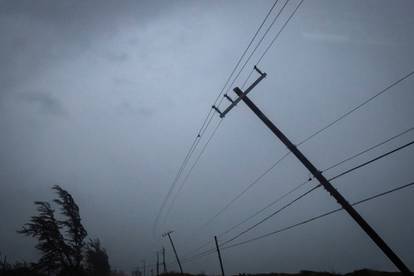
[(97, 259), (72, 224), (18, 269), (62, 241), (45, 227)]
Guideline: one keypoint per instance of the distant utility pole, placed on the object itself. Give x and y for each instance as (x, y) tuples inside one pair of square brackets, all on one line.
[(163, 260), (173, 247), (219, 256), (315, 172), (144, 267), (158, 263)]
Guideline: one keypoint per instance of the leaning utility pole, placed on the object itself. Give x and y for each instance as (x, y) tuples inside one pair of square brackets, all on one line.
[(219, 256), (173, 247), (315, 172), (163, 260)]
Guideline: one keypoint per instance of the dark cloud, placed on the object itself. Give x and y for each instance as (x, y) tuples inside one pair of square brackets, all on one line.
[(134, 80), (44, 32)]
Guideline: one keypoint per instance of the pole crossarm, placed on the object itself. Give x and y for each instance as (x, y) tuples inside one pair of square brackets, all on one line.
[(167, 233), (233, 103)]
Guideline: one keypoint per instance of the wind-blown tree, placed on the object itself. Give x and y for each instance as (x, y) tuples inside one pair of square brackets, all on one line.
[(61, 242), (45, 227), (74, 229), (97, 259)]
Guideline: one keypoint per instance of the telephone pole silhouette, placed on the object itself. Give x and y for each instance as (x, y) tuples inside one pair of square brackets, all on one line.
[(144, 267), (242, 95), (158, 263), (173, 247), (163, 260), (219, 256)]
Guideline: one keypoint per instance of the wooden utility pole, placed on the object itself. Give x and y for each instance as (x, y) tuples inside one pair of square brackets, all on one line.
[(219, 256), (175, 251), (158, 263), (318, 175), (163, 260)]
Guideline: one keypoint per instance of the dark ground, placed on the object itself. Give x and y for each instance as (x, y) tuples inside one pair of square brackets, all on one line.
[(362, 272)]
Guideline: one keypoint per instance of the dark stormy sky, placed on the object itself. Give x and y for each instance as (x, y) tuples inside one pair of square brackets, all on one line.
[(105, 97)]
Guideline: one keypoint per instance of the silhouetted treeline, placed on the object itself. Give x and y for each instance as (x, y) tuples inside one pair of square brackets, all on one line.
[(362, 272), (61, 242)]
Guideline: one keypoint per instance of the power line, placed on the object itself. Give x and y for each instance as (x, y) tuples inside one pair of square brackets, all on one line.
[(307, 181), (272, 214), (192, 167), (280, 31), (273, 41), (180, 171), (343, 115), (353, 110), (247, 60), (301, 184), (197, 249), (328, 168), (170, 190), (200, 255), (314, 188), (368, 149), (245, 51), (238, 63), (372, 160), (266, 207), (357, 107), (255, 181), (347, 113), (245, 63), (256, 47), (205, 124), (259, 43), (208, 120), (212, 250), (296, 187), (319, 216), (348, 171)]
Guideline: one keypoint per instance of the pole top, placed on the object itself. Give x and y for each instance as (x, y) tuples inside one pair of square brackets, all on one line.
[(260, 72), (167, 233)]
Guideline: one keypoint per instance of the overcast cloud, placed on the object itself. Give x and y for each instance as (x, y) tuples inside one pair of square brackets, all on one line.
[(105, 97)]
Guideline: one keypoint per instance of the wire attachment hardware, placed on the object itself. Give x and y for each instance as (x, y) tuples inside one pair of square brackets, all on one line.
[(228, 98), (218, 111), (260, 72)]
